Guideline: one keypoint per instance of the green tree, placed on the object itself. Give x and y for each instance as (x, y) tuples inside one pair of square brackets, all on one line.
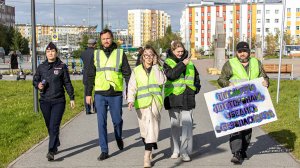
[(271, 45), (25, 46), (165, 41), (16, 41), (287, 38)]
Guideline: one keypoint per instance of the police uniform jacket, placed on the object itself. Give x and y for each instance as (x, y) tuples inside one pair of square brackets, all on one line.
[(57, 78)]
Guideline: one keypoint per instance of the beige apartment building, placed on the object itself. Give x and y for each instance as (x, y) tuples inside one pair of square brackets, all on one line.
[(145, 25)]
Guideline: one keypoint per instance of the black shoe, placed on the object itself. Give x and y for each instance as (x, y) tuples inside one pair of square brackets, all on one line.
[(236, 158), (50, 156), (103, 156), (55, 151), (120, 144), (244, 155), (87, 113)]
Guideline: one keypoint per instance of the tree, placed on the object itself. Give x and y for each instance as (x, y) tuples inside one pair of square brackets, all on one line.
[(165, 41), (288, 39), (16, 41), (271, 44)]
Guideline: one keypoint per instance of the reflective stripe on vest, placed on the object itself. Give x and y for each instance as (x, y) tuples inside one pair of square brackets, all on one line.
[(178, 86), (147, 88), (108, 70), (239, 73)]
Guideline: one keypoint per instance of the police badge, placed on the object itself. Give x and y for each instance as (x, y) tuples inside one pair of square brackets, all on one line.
[(56, 72)]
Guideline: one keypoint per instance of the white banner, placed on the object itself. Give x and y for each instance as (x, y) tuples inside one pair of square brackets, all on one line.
[(240, 107)]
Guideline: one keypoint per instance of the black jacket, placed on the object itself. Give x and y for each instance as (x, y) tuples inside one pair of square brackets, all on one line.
[(186, 100), (91, 73), (86, 57), (57, 77)]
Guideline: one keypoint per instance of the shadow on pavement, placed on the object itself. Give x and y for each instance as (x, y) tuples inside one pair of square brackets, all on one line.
[(266, 145), (94, 143)]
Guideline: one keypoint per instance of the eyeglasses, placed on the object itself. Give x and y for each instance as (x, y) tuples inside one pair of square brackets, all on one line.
[(148, 56)]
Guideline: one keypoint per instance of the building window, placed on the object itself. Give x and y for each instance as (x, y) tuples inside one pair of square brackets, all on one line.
[(276, 20), (258, 29), (267, 11), (208, 22), (298, 19), (297, 27), (276, 11), (258, 12), (230, 12), (196, 22), (276, 30), (258, 21), (202, 31), (230, 20), (230, 30), (288, 9), (297, 9), (288, 27), (288, 19), (202, 14), (267, 30), (268, 20), (208, 14), (217, 13)]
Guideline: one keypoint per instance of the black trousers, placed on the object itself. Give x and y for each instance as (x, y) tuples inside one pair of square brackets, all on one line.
[(240, 141), (53, 113), (149, 146)]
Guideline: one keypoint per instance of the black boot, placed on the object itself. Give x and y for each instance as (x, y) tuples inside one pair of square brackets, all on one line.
[(237, 158), (244, 155), (50, 156), (103, 156), (120, 144)]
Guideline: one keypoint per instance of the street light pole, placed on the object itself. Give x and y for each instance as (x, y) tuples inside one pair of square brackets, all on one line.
[(54, 16), (250, 40), (281, 48), (34, 59), (102, 24), (263, 30)]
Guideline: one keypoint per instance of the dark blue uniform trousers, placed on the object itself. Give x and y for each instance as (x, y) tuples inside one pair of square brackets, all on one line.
[(53, 113), (115, 108)]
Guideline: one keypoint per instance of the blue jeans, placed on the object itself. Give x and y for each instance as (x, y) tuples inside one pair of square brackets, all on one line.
[(115, 108)]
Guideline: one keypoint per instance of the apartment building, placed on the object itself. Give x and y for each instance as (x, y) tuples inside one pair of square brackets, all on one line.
[(146, 24), (198, 21), (68, 35), (7, 14)]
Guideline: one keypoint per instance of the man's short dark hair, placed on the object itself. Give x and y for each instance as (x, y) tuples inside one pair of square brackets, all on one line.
[(107, 31)]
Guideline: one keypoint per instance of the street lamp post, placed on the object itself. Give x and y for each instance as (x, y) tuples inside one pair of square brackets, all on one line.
[(102, 26), (34, 59)]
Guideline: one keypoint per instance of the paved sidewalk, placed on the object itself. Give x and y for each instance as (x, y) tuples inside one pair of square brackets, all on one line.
[(79, 143)]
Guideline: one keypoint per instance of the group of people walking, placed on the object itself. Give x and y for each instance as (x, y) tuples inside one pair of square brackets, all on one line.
[(150, 86)]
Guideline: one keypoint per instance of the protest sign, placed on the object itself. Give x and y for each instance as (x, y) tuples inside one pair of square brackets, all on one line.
[(240, 107)]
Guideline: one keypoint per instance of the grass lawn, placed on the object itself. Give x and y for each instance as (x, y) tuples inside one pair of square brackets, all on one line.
[(21, 127), (286, 130)]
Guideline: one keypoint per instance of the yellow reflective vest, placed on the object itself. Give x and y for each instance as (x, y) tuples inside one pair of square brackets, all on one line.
[(239, 73), (148, 88), (108, 70), (178, 86)]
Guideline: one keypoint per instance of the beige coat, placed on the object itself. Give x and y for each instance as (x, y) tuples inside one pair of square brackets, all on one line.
[(148, 118)]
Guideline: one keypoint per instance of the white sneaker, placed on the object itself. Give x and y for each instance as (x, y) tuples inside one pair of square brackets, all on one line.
[(175, 156), (185, 157)]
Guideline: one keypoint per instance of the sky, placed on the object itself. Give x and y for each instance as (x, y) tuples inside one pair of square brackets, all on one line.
[(75, 12)]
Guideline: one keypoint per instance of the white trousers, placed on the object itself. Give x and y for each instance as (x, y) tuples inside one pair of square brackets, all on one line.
[(185, 117)]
